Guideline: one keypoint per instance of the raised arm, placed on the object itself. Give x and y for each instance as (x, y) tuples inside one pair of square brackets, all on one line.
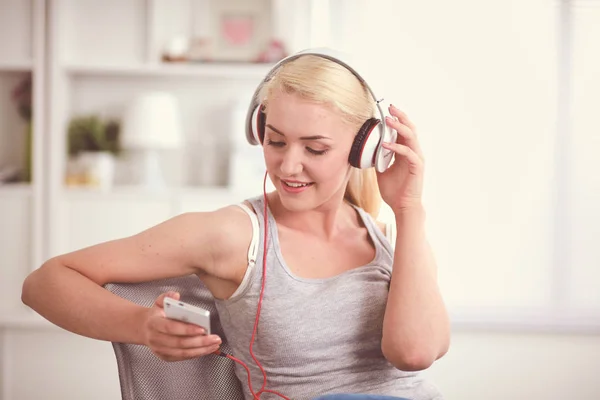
[(416, 327), (67, 289)]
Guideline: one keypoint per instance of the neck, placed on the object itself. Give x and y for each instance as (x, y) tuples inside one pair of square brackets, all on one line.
[(325, 221)]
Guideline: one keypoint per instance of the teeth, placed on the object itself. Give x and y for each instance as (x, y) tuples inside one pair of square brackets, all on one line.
[(296, 184)]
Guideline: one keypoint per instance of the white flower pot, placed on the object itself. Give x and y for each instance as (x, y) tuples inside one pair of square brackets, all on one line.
[(98, 168)]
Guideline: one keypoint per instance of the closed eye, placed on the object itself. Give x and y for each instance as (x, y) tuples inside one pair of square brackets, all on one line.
[(316, 152), (310, 150), (276, 144)]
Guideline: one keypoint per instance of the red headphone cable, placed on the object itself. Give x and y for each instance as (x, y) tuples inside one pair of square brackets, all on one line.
[(262, 291)]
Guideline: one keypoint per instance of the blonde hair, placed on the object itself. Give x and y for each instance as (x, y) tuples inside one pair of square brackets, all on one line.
[(324, 81)]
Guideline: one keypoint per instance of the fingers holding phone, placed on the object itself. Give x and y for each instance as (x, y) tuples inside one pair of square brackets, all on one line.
[(173, 330)]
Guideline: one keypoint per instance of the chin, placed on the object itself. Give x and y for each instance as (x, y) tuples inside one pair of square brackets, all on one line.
[(306, 201), (300, 201), (296, 205)]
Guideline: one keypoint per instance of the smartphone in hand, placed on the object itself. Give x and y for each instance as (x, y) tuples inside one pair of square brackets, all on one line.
[(181, 311)]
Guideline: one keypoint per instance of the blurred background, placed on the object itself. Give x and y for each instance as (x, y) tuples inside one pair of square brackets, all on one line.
[(118, 114)]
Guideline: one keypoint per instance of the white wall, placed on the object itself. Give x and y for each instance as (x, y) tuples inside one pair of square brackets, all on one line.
[(520, 366), (53, 364)]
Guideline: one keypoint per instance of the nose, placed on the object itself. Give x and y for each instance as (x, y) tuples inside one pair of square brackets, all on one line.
[(291, 163)]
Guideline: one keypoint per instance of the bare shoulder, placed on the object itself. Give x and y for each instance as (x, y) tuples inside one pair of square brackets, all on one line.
[(218, 230), (230, 231), (223, 223), (231, 226)]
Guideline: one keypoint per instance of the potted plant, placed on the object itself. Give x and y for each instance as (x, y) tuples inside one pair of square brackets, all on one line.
[(94, 144)]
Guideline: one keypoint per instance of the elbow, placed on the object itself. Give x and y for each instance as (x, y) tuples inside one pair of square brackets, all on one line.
[(409, 362), (413, 357), (26, 290), (31, 284)]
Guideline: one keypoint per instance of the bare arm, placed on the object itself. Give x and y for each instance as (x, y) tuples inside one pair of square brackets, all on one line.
[(416, 328), (67, 290)]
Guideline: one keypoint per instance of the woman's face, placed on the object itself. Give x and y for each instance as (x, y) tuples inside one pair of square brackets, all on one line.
[(306, 149)]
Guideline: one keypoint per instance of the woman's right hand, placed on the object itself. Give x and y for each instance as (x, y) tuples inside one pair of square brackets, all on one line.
[(173, 340)]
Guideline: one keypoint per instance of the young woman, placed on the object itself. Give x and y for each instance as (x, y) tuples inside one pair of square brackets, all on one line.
[(344, 310)]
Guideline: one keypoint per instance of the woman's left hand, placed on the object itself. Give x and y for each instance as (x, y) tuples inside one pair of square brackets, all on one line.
[(401, 185)]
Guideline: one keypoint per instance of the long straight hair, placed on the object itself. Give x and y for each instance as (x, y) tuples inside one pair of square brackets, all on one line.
[(324, 81)]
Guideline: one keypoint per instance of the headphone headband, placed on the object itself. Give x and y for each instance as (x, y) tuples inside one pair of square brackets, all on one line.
[(338, 57)]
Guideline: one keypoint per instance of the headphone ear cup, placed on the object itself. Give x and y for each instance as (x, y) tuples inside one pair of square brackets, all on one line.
[(364, 147), (385, 157), (258, 124)]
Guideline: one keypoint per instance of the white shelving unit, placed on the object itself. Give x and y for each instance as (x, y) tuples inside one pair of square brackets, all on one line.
[(88, 75), (21, 204), (21, 241)]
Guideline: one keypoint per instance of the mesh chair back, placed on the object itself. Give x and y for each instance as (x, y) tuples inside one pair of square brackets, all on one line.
[(143, 375)]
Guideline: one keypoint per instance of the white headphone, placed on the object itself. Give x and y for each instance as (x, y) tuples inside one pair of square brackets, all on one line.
[(366, 149)]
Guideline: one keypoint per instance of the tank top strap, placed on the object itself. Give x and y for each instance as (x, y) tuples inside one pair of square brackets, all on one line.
[(378, 236)]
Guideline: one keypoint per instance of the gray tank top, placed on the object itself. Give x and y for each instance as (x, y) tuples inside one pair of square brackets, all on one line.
[(316, 336)]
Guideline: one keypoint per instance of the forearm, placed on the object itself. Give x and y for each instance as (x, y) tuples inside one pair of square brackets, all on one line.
[(77, 304), (416, 329)]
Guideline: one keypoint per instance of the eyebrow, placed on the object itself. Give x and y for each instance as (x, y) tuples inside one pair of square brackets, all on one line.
[(314, 137)]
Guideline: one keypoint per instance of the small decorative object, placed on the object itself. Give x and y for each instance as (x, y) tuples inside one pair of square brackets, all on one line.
[(152, 123), (274, 52), (22, 96), (200, 50), (239, 29), (92, 145), (177, 49)]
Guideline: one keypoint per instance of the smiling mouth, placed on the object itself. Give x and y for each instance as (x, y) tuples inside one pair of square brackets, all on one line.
[(296, 184)]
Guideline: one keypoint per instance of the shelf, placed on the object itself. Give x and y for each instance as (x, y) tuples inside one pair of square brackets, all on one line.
[(16, 66), (127, 191), (202, 70), (32, 321), (16, 189)]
